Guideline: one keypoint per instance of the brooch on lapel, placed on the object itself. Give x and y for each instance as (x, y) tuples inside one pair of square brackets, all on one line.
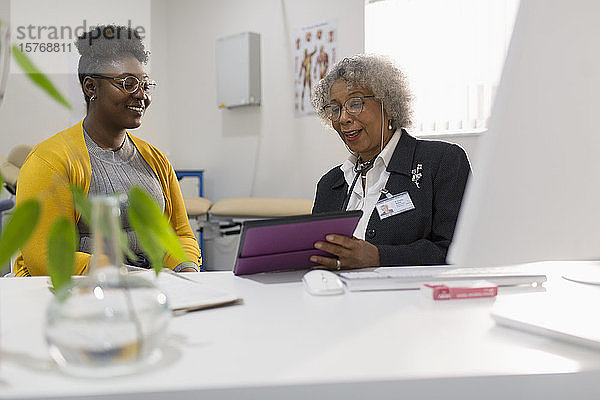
[(416, 174)]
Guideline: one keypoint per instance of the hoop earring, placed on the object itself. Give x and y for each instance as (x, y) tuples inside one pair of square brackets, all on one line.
[(93, 98)]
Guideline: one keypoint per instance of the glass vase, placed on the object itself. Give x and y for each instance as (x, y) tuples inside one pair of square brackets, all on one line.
[(109, 322)]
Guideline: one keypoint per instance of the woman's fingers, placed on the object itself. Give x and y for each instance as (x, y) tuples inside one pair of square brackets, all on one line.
[(341, 240), (337, 244), (352, 252), (330, 263), (330, 248)]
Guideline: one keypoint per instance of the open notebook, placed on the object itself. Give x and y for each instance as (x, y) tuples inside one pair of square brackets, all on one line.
[(185, 294)]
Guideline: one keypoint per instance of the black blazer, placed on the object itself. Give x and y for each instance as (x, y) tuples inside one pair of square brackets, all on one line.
[(422, 235)]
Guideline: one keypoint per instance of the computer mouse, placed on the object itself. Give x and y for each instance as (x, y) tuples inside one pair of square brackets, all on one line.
[(320, 282)]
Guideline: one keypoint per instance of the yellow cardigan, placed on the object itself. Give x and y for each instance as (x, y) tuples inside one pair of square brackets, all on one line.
[(63, 159)]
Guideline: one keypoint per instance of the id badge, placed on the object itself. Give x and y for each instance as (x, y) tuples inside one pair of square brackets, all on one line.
[(394, 205)]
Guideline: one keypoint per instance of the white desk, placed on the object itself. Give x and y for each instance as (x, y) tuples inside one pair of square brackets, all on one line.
[(283, 343)]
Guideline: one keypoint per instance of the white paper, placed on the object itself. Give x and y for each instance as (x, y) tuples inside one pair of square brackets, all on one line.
[(185, 294)]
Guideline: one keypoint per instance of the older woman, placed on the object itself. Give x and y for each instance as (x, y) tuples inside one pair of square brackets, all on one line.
[(100, 155), (409, 190)]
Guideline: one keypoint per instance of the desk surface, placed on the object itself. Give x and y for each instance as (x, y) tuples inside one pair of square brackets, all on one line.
[(284, 343)]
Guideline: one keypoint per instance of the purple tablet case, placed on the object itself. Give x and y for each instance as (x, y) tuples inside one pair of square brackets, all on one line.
[(287, 243)]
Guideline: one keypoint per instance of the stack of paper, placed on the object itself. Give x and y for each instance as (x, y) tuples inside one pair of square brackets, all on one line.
[(185, 294)]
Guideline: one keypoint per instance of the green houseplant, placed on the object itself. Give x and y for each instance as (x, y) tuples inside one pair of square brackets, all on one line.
[(108, 322), (94, 308)]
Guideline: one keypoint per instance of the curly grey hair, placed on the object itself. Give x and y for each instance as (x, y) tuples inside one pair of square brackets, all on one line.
[(375, 73)]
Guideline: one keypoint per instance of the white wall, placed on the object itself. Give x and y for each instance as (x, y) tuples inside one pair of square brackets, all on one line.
[(28, 115), (254, 151), (250, 151)]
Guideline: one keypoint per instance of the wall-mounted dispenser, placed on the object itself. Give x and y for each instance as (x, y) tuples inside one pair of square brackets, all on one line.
[(238, 70)]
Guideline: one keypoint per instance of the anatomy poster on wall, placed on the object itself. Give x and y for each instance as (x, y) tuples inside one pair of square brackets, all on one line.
[(314, 53)]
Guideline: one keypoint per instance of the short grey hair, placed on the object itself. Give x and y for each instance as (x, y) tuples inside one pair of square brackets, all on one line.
[(375, 73)]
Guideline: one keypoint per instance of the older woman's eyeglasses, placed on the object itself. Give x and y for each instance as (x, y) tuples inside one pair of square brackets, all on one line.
[(353, 106), (129, 84)]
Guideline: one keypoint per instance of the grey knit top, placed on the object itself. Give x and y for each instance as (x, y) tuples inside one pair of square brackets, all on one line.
[(116, 172)]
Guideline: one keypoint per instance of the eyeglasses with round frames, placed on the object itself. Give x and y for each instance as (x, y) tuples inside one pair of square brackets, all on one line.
[(353, 106), (130, 84)]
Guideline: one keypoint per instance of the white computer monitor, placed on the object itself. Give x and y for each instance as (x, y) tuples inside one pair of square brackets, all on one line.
[(536, 193)]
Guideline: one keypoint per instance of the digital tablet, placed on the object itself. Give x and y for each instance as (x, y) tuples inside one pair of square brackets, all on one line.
[(287, 243)]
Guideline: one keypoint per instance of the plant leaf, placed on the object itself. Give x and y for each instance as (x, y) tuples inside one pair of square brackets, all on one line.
[(151, 227), (124, 245), (37, 77), (148, 242), (62, 244), (82, 204), (19, 228), (142, 204)]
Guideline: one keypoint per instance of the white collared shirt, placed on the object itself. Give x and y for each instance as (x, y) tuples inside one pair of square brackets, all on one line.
[(376, 180)]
